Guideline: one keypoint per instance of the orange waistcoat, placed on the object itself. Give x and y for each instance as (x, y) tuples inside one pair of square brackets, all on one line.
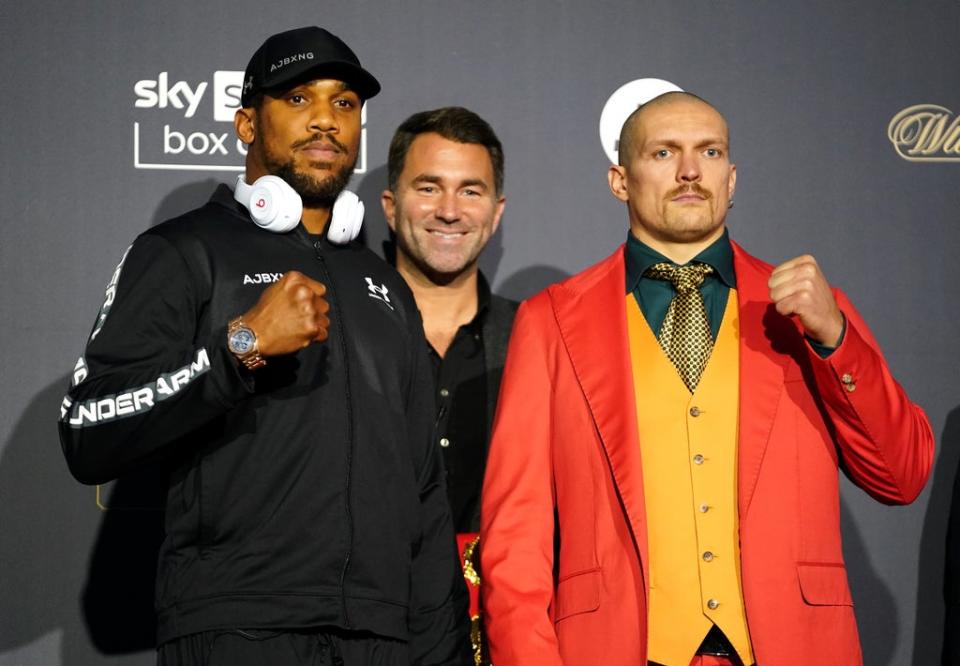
[(688, 444)]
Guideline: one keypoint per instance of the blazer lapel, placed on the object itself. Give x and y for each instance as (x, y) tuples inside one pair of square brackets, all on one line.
[(761, 370), (592, 321)]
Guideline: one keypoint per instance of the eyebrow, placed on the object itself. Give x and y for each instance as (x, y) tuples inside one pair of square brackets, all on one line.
[(341, 86), (436, 180), (673, 143)]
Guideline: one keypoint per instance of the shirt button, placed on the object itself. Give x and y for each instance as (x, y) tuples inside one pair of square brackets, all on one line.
[(698, 459), (694, 411), (850, 387), (713, 604), (707, 556), (847, 378), (444, 442), (444, 393), (704, 508)]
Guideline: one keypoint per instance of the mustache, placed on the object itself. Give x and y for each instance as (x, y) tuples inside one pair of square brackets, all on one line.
[(321, 138), (695, 188)]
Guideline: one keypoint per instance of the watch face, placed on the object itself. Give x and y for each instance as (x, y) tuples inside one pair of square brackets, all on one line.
[(242, 341)]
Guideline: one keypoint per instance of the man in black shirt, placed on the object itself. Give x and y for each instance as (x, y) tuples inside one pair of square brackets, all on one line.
[(444, 203)]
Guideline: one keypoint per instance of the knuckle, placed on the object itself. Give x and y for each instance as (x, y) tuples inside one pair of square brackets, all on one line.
[(301, 292), (292, 279)]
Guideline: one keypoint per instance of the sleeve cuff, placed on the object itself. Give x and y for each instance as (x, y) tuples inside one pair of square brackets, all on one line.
[(823, 351), (232, 382)]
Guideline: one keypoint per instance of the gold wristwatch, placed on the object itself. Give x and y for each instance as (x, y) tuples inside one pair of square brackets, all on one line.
[(242, 343)]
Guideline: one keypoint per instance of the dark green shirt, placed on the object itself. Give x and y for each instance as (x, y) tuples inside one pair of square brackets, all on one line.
[(654, 296)]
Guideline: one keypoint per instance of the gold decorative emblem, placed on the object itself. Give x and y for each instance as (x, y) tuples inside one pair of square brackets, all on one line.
[(469, 562), (476, 641), (471, 568), (926, 133)]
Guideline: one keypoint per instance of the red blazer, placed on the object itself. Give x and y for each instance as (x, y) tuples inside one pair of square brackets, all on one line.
[(564, 556)]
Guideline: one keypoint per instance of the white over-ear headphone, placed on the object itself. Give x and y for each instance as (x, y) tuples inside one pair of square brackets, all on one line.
[(272, 203), (276, 207), (346, 218)]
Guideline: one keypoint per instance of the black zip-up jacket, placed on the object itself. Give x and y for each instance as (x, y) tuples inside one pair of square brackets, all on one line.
[(308, 493)]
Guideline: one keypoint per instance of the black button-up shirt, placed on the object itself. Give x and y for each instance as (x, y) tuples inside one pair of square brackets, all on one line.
[(461, 385)]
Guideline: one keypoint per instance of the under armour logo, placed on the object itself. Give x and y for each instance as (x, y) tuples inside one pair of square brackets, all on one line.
[(378, 292)]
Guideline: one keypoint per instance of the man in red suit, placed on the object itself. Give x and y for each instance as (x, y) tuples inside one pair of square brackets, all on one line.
[(662, 483)]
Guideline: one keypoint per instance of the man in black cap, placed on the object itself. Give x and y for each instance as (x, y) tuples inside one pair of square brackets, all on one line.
[(282, 379)]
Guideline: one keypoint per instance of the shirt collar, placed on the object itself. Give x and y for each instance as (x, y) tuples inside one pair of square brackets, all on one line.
[(483, 296), (475, 326), (639, 257)]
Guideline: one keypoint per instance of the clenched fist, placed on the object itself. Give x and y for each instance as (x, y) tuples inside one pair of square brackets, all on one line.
[(799, 289), (291, 314)]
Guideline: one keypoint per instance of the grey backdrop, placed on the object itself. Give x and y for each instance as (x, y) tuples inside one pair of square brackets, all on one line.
[(808, 87)]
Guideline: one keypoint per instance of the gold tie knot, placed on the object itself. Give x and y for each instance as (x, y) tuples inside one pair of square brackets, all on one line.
[(683, 278)]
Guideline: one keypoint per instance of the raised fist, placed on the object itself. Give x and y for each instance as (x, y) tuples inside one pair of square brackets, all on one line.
[(799, 289), (291, 314)]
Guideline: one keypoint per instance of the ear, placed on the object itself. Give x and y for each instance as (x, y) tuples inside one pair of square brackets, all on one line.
[(617, 178), (389, 204), (498, 213), (243, 123)]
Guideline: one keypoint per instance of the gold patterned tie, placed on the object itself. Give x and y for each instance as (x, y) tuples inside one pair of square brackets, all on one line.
[(685, 333)]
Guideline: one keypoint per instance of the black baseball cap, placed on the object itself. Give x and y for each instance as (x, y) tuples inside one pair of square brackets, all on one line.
[(288, 57)]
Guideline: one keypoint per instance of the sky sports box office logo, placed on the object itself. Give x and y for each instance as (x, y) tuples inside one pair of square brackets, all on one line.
[(187, 125)]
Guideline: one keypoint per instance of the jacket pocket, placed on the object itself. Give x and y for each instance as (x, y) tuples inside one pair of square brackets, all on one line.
[(824, 584), (578, 593)]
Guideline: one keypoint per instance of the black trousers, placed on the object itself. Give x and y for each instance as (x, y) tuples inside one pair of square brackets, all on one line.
[(256, 647)]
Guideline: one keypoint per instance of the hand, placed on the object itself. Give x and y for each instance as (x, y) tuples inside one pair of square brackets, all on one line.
[(291, 314), (799, 289)]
